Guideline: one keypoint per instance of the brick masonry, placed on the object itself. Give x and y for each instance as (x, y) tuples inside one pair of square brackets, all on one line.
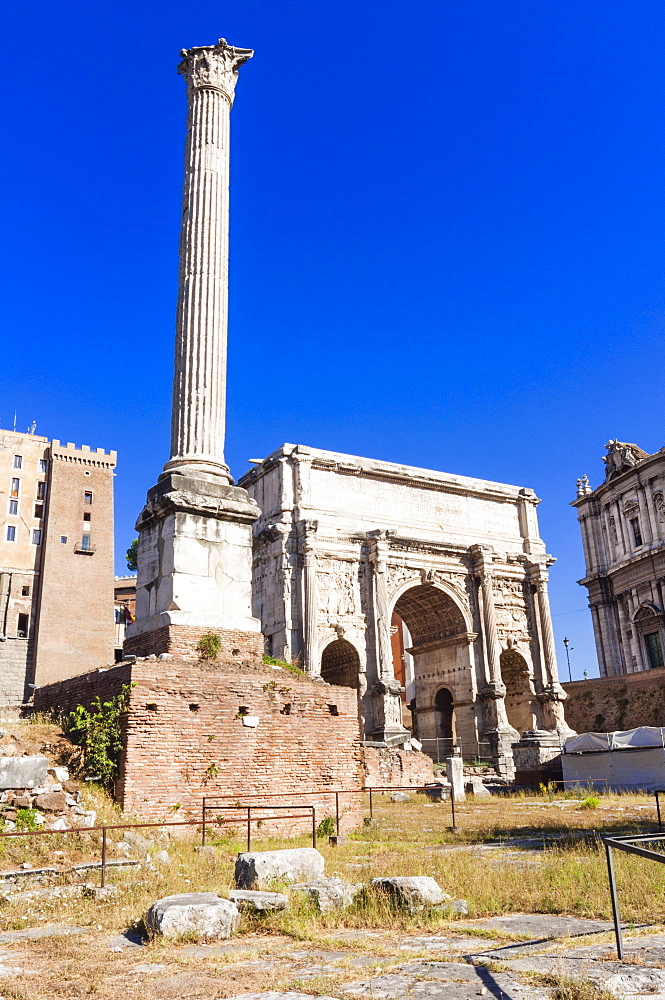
[(185, 736), (182, 640), (395, 767), (605, 704)]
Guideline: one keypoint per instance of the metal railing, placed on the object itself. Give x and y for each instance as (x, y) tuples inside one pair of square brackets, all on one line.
[(439, 748), (427, 789), (629, 844)]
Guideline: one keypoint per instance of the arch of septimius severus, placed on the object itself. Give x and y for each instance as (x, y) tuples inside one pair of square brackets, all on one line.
[(425, 591)]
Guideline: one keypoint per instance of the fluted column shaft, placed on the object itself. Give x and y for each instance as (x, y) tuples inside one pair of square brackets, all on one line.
[(310, 594), (199, 383)]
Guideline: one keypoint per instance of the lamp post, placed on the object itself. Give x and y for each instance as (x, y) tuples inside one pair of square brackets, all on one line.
[(566, 643)]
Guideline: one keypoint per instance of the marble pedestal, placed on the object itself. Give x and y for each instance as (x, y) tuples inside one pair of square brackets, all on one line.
[(537, 758), (195, 570)]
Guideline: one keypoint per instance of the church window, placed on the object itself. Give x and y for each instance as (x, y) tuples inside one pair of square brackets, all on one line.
[(637, 534), (654, 649)]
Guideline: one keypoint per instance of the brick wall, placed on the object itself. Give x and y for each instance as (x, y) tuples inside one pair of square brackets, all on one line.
[(76, 624), (396, 767), (184, 737), (182, 640), (605, 704)]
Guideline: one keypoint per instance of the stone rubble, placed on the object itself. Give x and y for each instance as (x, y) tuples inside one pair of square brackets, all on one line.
[(256, 901), (197, 914), (415, 892), (257, 869), (329, 893)]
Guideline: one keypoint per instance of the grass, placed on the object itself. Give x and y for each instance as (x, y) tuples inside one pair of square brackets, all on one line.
[(562, 872)]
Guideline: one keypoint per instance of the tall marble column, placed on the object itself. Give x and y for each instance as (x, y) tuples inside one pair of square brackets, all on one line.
[(385, 691), (310, 603), (195, 536), (497, 729), (553, 695)]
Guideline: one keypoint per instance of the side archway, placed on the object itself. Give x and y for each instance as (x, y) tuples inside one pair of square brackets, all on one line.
[(340, 664), (519, 692)]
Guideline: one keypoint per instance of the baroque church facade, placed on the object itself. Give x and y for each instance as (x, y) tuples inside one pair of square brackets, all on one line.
[(623, 533)]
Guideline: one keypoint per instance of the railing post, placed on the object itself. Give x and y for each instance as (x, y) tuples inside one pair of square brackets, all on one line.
[(337, 813), (203, 822), (615, 902), (660, 825), (103, 856), (371, 810), (313, 826), (249, 828)]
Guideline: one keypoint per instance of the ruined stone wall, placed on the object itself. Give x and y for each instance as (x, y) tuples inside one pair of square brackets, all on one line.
[(395, 767), (185, 738), (605, 704), (181, 641)]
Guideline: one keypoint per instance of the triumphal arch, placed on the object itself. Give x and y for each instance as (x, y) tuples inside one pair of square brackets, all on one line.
[(426, 592)]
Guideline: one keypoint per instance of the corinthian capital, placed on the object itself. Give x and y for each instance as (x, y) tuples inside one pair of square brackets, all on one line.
[(213, 67)]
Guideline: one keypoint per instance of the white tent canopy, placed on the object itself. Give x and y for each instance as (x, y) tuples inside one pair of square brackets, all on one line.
[(633, 759)]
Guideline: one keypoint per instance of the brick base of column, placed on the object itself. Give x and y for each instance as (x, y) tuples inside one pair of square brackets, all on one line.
[(181, 641)]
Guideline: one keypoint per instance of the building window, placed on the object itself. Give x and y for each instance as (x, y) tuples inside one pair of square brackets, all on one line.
[(87, 515), (25, 591), (13, 506), (654, 649), (41, 491), (18, 461), (85, 543), (16, 483), (63, 539), (11, 532), (87, 498), (23, 625), (42, 465), (36, 536), (39, 510), (637, 534)]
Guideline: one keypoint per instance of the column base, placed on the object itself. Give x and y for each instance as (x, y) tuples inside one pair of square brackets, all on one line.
[(537, 758), (237, 647), (501, 750)]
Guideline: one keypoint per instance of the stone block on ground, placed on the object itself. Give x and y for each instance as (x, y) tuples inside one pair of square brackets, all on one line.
[(273, 995), (257, 901), (193, 914), (329, 893), (414, 892), (257, 869), (477, 788), (103, 894), (400, 797), (455, 776), (51, 802), (23, 772), (639, 983)]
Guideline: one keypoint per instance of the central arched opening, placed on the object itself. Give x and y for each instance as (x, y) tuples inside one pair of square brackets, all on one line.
[(435, 666), (340, 664), (519, 695)]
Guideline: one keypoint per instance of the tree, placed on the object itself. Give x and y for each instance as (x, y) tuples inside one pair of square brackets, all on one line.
[(132, 556)]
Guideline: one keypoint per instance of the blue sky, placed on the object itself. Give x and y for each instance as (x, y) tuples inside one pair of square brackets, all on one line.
[(446, 237)]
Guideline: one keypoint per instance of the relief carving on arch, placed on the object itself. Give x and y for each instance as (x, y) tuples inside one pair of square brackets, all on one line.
[(513, 611), (339, 591)]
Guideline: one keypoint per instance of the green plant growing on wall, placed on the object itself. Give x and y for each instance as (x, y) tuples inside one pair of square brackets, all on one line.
[(209, 646), (98, 731), (210, 773), (326, 827), (26, 819), (284, 664)]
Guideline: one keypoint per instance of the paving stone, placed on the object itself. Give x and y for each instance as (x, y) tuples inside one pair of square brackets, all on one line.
[(271, 995), (462, 982), (449, 945), (637, 983), (33, 933), (128, 939), (542, 925)]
